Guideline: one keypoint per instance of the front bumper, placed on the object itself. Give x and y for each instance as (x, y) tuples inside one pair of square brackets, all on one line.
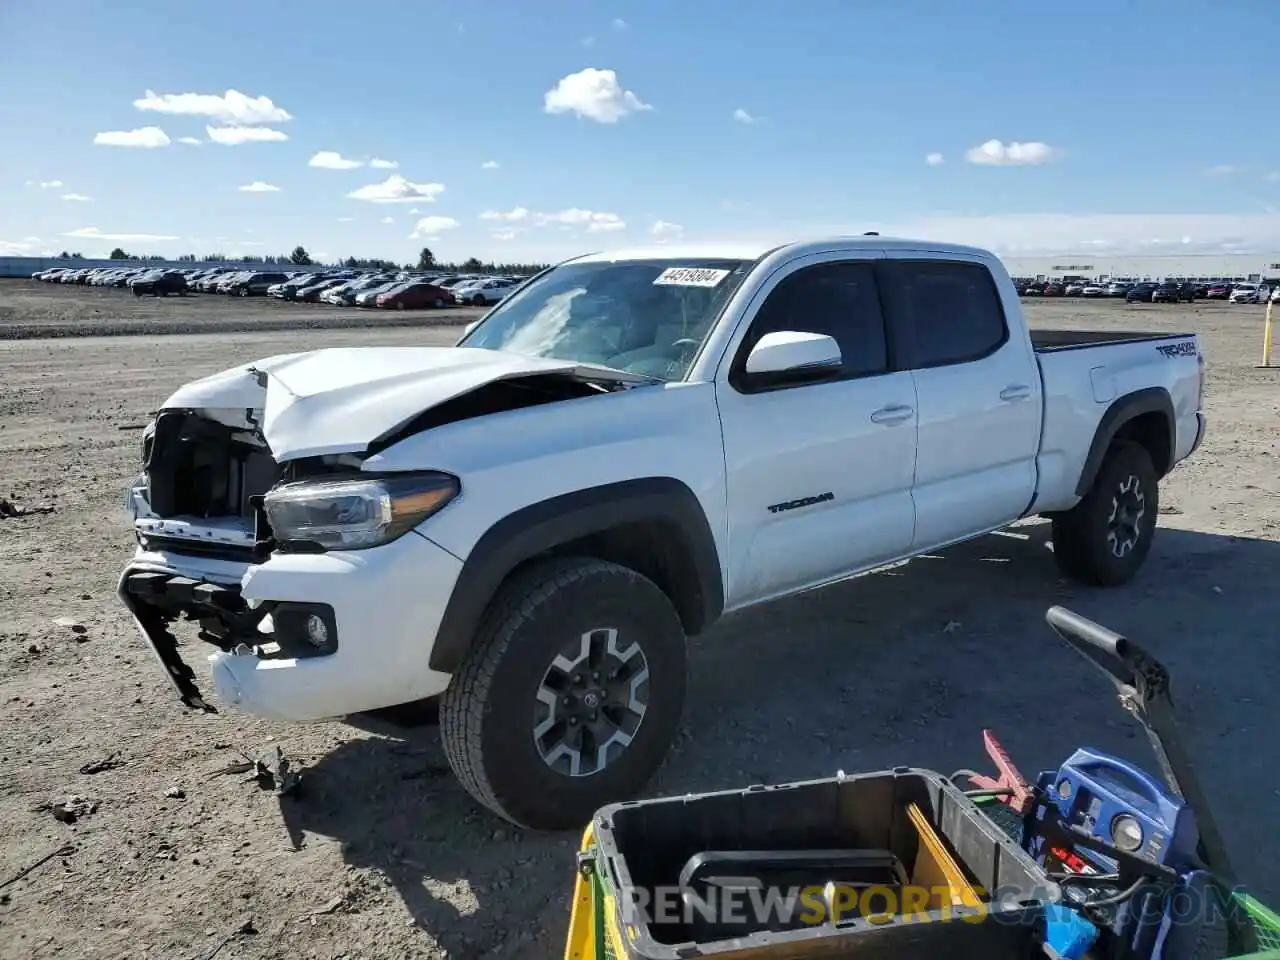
[(386, 603)]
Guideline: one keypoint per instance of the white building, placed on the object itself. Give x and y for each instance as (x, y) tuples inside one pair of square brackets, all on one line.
[(1206, 266)]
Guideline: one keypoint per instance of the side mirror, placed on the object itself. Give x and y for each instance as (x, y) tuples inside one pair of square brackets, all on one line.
[(789, 354)]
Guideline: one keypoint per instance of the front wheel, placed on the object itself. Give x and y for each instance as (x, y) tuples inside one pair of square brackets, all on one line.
[(1104, 540), (570, 695)]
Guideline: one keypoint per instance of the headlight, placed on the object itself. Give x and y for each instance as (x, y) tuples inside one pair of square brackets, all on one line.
[(359, 513)]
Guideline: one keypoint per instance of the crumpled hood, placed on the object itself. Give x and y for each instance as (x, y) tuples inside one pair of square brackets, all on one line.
[(341, 400)]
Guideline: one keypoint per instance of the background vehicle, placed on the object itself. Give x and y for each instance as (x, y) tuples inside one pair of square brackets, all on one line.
[(482, 293), (252, 284), (415, 295), (1140, 293), (530, 526), (160, 283), (1249, 293)]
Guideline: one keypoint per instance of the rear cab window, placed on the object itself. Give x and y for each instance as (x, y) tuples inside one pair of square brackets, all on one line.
[(948, 311)]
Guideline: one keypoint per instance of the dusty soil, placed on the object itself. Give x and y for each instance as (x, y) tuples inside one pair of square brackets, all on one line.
[(381, 854), (29, 309)]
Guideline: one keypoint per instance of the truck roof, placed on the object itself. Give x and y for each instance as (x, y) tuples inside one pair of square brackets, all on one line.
[(749, 250)]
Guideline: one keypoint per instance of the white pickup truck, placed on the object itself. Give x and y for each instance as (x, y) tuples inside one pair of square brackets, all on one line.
[(530, 524)]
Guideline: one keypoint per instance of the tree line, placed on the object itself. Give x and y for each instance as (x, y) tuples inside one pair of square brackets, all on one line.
[(299, 257)]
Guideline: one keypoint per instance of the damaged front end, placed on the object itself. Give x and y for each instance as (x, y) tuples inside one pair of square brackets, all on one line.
[(199, 523), (257, 520)]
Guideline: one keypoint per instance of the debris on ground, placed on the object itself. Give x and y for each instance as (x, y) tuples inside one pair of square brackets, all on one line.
[(72, 624), (131, 426), (10, 510), (175, 793), (63, 851), (271, 770), (102, 766), (73, 808), (245, 927)]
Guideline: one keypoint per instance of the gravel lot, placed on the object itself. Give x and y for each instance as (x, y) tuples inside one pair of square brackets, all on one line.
[(381, 854)]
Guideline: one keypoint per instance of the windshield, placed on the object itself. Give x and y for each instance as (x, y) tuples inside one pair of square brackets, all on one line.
[(647, 317)]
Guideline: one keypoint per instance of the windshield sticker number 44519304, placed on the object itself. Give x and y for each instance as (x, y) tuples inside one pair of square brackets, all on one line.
[(690, 277)]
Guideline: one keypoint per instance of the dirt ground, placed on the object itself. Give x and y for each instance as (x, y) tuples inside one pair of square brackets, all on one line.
[(381, 854)]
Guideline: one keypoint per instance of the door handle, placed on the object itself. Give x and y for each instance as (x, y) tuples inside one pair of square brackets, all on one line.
[(892, 414), (1018, 391)]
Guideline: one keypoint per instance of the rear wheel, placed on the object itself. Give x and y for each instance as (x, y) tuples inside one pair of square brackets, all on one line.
[(569, 697), (1105, 538)]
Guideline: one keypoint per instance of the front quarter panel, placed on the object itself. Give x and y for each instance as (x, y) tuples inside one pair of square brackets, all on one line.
[(511, 460)]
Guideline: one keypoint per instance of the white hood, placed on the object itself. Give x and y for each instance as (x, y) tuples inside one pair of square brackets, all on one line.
[(341, 400)]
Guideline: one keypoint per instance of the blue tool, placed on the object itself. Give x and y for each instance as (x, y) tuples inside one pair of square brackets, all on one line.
[(1155, 844), (1124, 807)]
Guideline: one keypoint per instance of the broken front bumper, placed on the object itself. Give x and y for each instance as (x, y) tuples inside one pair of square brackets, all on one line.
[(381, 607)]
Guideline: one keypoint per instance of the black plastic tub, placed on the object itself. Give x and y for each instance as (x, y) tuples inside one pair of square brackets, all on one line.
[(643, 845)]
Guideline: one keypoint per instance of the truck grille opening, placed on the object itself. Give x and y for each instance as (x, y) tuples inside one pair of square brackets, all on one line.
[(198, 468)]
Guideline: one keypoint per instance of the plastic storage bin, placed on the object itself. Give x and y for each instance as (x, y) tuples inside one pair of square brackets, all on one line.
[(642, 846)]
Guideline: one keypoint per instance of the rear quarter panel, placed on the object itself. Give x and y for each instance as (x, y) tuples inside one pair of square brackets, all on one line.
[(1081, 384)]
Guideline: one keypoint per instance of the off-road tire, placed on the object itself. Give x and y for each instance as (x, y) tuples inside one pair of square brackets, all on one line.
[(487, 713), (1080, 536)]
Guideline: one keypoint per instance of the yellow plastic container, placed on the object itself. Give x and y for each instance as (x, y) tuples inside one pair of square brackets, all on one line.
[(937, 871)]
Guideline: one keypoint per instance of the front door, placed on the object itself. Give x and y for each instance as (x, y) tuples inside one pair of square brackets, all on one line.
[(818, 474)]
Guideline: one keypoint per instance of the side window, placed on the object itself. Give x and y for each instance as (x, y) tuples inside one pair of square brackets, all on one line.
[(840, 300), (952, 309)]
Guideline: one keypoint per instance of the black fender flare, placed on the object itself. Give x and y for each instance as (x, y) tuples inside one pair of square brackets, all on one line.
[(541, 527), (1121, 411)]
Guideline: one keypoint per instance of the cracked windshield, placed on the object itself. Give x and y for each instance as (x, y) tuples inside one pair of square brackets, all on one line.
[(647, 317)]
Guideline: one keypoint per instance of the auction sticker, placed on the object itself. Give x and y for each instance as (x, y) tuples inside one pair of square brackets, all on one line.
[(690, 277)]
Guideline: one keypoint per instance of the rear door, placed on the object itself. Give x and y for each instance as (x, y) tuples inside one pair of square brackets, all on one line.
[(978, 396)]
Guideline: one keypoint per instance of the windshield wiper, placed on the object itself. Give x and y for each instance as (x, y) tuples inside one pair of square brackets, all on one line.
[(599, 371)]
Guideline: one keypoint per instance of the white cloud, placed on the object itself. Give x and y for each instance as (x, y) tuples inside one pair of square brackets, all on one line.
[(19, 248), (77, 197), (142, 137), (331, 160), (379, 164), (388, 220), (489, 165), (742, 116), (396, 189), (515, 214), (1224, 170), (619, 24), (588, 41), (233, 108), (593, 94), (233, 136), (594, 221), (93, 233), (1036, 234), (191, 141), (1274, 176), (995, 153), (259, 187), (50, 184), (414, 211), (429, 227), (504, 234), (665, 230), (935, 160), (345, 219)]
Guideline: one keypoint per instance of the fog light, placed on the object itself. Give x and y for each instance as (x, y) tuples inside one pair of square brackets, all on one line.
[(317, 631)]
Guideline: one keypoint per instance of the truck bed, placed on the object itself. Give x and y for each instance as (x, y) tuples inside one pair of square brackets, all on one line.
[(1048, 341)]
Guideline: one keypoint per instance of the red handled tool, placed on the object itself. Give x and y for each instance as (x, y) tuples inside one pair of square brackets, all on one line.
[(1014, 791)]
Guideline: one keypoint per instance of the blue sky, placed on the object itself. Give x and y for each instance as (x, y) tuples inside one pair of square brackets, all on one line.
[(580, 125)]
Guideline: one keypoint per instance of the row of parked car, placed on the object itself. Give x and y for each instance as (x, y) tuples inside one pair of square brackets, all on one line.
[(397, 290), (1145, 291)]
